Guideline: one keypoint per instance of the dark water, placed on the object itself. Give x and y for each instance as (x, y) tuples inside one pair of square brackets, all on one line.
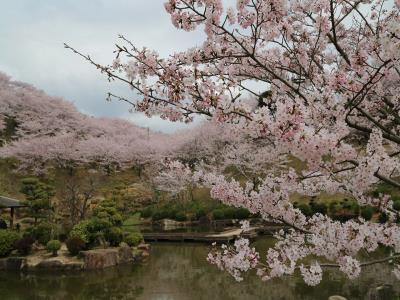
[(179, 272)]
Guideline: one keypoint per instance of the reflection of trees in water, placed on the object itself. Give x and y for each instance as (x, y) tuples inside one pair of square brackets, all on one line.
[(112, 283), (180, 271), (364, 287), (183, 271)]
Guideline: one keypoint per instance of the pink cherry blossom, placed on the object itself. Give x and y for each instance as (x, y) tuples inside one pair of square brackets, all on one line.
[(315, 82)]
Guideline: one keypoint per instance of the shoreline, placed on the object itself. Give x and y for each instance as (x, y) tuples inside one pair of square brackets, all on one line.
[(95, 259)]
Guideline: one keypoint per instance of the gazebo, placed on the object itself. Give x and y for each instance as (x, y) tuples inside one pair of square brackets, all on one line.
[(12, 204)]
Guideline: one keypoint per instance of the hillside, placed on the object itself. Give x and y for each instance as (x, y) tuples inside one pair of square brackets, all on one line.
[(27, 111), (37, 129)]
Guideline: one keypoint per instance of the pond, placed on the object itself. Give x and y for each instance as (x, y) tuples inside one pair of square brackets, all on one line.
[(180, 272)]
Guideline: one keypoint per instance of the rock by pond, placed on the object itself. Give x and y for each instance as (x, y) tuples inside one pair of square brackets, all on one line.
[(87, 260), (336, 297)]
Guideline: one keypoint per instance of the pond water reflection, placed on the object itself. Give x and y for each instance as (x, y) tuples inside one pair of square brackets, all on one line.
[(179, 271)]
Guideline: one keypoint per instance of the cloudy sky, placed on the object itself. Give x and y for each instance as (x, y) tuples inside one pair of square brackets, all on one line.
[(32, 34)]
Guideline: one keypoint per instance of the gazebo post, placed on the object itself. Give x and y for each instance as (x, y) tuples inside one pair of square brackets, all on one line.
[(12, 217), (12, 204)]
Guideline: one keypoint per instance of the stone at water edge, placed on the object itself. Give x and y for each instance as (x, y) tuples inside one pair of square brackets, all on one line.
[(55, 264), (125, 254), (145, 247), (100, 258), (384, 291), (145, 253), (13, 263), (337, 297)]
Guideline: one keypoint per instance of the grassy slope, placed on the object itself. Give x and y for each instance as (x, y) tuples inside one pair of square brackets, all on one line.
[(10, 180), (107, 184)]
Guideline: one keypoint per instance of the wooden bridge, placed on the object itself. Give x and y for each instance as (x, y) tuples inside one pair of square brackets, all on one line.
[(206, 237)]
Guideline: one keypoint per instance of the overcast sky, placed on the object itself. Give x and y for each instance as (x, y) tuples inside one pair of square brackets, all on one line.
[(32, 34)]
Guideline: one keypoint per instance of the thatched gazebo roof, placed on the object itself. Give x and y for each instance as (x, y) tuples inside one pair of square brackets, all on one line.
[(6, 202)]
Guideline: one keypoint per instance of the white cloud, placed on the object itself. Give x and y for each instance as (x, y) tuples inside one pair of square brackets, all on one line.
[(32, 34)]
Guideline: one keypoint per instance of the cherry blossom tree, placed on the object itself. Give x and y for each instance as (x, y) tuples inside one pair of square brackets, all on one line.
[(43, 131), (316, 80)]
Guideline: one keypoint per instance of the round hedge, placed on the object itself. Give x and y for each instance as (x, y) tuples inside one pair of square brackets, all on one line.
[(133, 239), (7, 241), (24, 245), (114, 236), (75, 245), (53, 246)]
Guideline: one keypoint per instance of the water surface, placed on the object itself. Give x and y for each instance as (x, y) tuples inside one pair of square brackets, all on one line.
[(179, 272)]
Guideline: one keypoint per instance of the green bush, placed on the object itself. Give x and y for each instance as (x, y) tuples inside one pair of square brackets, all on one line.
[(114, 236), (157, 216), (333, 207), (382, 188), (305, 209), (3, 224), (171, 213), (346, 204), (318, 207), (383, 218), (200, 213), (75, 244), (218, 214), (107, 210), (43, 232), (53, 246), (367, 212), (180, 216), (24, 245), (242, 213), (96, 225), (133, 239), (146, 212), (81, 231), (7, 241), (396, 205), (38, 195), (229, 213), (355, 208), (116, 219), (343, 217)]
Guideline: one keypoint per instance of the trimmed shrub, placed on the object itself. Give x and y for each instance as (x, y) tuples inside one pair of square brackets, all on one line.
[(24, 245), (114, 236), (171, 213), (367, 212), (146, 212), (333, 207), (133, 239), (229, 213), (96, 225), (116, 219), (7, 241), (53, 246), (43, 232), (107, 210), (396, 205), (318, 207), (81, 231), (305, 209), (200, 213), (75, 244), (180, 216), (162, 213), (218, 214), (383, 218), (3, 224), (242, 213), (355, 208)]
